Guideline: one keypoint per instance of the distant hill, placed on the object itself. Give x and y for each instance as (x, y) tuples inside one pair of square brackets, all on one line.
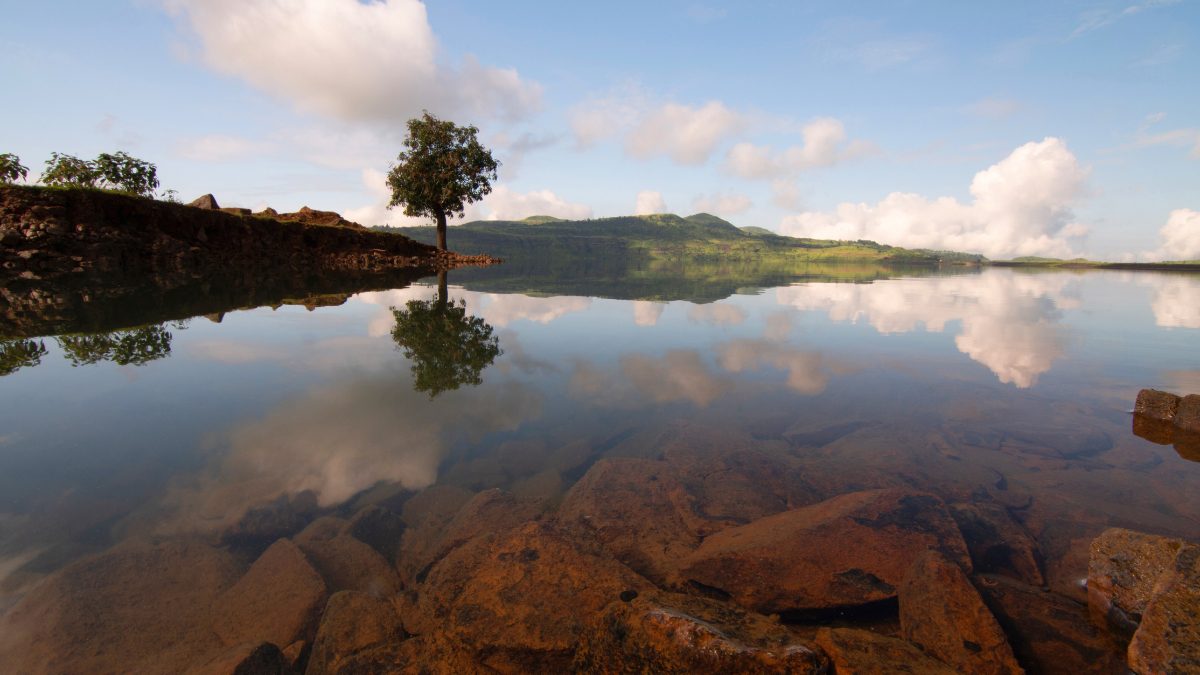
[(761, 231), (669, 237)]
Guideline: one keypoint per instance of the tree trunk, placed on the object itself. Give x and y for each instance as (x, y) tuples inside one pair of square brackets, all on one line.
[(441, 229), (442, 294)]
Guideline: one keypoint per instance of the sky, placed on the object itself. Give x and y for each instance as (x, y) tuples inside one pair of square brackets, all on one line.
[(1008, 129)]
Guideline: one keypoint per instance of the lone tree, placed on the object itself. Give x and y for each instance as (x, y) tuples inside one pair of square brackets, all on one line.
[(442, 168)]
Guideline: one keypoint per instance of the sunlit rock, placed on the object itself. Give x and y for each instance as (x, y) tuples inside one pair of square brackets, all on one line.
[(862, 652), (345, 563), (278, 600), (358, 633), (1168, 639), (1122, 572), (1157, 405)]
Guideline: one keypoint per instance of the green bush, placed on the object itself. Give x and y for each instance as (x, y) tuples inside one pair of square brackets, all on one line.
[(69, 171), (11, 168), (118, 171)]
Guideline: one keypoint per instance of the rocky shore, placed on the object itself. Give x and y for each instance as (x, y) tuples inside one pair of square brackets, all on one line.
[(701, 559), (50, 233)]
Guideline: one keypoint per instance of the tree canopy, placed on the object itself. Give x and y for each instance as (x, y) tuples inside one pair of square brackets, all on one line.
[(448, 347), (116, 171), (442, 168), (11, 168)]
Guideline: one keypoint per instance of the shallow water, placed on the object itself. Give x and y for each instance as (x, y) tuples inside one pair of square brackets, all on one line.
[(997, 385)]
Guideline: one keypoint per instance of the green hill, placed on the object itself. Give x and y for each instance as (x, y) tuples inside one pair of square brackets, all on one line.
[(666, 237)]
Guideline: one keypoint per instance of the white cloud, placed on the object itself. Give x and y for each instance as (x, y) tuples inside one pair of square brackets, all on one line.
[(378, 213), (1099, 18), (725, 204), (687, 135), (1021, 206), (1176, 302), (825, 144), (1182, 138), (717, 314), (678, 375), (646, 313), (808, 373), (649, 202), (348, 59), (1009, 322), (1180, 236), (501, 310), (506, 204)]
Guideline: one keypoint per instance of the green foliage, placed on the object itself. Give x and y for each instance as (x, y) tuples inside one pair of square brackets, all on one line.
[(442, 168), (124, 173), (135, 347), (117, 171), (447, 347), (18, 354), (69, 171), (11, 168)]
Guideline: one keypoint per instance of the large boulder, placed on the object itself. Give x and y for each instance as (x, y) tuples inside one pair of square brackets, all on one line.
[(278, 600), (1155, 404), (489, 511), (1048, 633), (521, 599), (1122, 572), (861, 652), (345, 563), (845, 551), (942, 613), (261, 526), (426, 516), (1187, 417), (998, 544), (205, 202), (668, 633), (141, 607), (1168, 639), (378, 528), (358, 633)]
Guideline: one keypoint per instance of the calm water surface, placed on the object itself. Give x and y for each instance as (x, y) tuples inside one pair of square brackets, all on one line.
[(999, 385)]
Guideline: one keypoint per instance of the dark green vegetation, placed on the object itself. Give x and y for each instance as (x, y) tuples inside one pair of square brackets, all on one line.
[(668, 237), (448, 348), (117, 171), (11, 168), (442, 168), (1085, 264)]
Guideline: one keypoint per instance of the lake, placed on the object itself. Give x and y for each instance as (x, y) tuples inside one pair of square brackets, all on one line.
[(1005, 388)]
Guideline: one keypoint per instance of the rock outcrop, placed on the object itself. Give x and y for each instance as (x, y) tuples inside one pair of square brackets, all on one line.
[(862, 652), (278, 600), (1168, 639), (1123, 570)]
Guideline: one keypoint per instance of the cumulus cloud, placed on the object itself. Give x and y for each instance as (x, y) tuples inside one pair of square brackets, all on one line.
[(717, 314), (825, 144), (501, 310), (507, 204), (808, 372), (649, 202), (686, 134), (348, 59), (678, 375), (1021, 206), (1176, 302), (646, 313), (1180, 236), (724, 204), (1010, 323)]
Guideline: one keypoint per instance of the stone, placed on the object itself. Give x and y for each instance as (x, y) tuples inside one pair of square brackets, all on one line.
[(268, 212), (1123, 568), (1187, 417), (521, 597), (997, 543), (1168, 639), (278, 600), (142, 606), (426, 516), (205, 202), (246, 659), (861, 652), (639, 512), (236, 210), (354, 623), (1048, 633), (943, 615), (736, 486), (1160, 432), (263, 525), (670, 633), (345, 563), (378, 528), (846, 551)]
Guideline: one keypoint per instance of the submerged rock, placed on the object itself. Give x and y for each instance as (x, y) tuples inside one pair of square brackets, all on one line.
[(845, 551), (378, 528), (861, 652), (998, 544), (942, 613), (1122, 572), (1168, 639), (358, 633), (246, 659), (667, 633), (345, 563), (1155, 404), (278, 600)]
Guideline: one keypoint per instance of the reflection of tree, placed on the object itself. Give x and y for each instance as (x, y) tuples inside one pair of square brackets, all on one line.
[(17, 354), (133, 347), (447, 347)]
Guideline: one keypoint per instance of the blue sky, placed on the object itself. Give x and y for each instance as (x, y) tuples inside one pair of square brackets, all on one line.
[(1008, 128)]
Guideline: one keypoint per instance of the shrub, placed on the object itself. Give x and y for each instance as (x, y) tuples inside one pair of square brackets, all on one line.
[(69, 171), (126, 174), (11, 168)]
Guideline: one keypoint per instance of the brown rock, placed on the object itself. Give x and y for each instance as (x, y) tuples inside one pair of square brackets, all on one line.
[(205, 202), (140, 607), (268, 212), (278, 600), (639, 512), (1156, 404), (1187, 417), (426, 516), (1168, 639), (736, 486), (1123, 568), (264, 525), (666, 633), (861, 652), (942, 613), (1048, 632), (345, 563), (1187, 444), (521, 599), (355, 626), (845, 551), (378, 528), (998, 544), (1157, 431), (246, 659), (236, 210)]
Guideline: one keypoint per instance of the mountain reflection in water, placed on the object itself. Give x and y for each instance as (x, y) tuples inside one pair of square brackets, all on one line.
[(752, 392)]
